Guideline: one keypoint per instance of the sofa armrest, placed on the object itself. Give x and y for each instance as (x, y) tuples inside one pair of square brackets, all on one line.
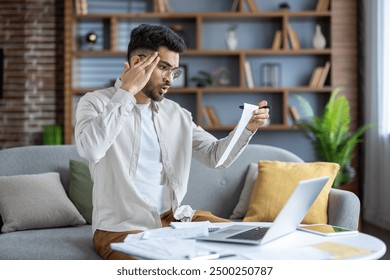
[(343, 209)]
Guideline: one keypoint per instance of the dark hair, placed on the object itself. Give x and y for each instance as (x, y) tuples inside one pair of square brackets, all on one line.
[(152, 37)]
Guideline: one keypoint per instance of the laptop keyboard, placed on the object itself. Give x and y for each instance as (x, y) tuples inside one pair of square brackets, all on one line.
[(252, 234)]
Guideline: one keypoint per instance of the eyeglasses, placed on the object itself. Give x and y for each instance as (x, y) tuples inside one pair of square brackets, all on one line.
[(167, 71)]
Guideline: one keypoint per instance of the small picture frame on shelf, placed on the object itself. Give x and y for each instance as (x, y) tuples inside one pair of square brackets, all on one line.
[(181, 81)]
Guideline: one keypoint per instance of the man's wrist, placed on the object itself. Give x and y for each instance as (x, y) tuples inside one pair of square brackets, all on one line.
[(130, 90), (250, 130)]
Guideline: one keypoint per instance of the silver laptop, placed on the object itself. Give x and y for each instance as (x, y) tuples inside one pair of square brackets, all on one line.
[(286, 222)]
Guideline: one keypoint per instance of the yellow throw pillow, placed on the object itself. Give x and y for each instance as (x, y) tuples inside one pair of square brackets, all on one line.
[(277, 180)]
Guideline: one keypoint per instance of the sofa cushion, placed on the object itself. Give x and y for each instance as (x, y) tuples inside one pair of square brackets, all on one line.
[(64, 243), (241, 208), (35, 201), (80, 188), (277, 180)]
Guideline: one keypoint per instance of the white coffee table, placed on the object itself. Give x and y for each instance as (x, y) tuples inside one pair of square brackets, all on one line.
[(299, 245)]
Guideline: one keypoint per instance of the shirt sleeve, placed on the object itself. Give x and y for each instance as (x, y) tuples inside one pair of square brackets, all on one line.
[(99, 119), (208, 149)]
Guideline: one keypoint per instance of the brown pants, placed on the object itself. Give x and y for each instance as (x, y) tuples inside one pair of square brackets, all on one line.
[(102, 239)]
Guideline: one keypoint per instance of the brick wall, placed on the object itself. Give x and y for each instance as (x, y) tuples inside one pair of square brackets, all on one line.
[(31, 37)]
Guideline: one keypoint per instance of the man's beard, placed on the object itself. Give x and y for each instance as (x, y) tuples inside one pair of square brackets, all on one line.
[(152, 92)]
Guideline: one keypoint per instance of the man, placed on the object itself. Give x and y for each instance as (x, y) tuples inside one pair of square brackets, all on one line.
[(139, 145)]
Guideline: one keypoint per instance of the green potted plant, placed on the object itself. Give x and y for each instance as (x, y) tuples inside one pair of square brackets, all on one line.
[(203, 79), (333, 142)]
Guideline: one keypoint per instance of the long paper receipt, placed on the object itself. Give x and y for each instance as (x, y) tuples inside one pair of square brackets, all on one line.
[(245, 117)]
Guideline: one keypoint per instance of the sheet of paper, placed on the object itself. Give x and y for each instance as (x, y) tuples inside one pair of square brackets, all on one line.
[(247, 113), (168, 249), (319, 251), (169, 233), (207, 224), (171, 249), (340, 251), (178, 225)]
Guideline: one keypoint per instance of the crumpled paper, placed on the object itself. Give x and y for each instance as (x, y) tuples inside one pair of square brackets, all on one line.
[(184, 213)]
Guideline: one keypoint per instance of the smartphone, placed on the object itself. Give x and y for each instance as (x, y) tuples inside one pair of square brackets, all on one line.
[(327, 230)]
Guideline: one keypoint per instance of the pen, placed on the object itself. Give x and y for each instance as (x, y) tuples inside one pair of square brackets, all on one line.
[(264, 107)]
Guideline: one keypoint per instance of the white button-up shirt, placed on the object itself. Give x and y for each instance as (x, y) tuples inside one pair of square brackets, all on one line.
[(108, 135)]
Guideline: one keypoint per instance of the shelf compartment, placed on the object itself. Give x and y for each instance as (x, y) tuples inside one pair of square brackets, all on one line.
[(226, 105), (119, 6), (290, 77), (187, 26), (211, 64), (305, 28), (87, 25), (262, 33)]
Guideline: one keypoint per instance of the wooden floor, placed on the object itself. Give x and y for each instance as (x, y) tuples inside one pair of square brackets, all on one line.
[(382, 234)]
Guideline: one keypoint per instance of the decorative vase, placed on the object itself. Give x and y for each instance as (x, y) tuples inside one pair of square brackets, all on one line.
[(231, 40), (270, 75), (319, 41)]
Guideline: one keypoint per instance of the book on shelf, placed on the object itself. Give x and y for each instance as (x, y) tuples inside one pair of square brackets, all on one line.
[(276, 44), (315, 77), (81, 7), (251, 6), (163, 6), (212, 116), (324, 74), (293, 36), (84, 7), (319, 76), (235, 6), (168, 6), (155, 6), (248, 74), (159, 6), (294, 113), (322, 5), (77, 7)]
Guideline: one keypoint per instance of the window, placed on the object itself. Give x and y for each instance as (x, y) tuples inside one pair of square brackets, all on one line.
[(385, 75)]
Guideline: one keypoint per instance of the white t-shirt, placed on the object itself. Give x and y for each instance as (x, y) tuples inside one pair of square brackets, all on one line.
[(150, 180)]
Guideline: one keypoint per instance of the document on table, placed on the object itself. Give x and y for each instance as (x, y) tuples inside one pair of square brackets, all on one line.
[(171, 249), (154, 249), (340, 251), (247, 113), (169, 233), (170, 244), (319, 251), (206, 224)]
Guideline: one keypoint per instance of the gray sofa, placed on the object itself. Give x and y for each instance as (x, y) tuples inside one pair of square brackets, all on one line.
[(216, 190)]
